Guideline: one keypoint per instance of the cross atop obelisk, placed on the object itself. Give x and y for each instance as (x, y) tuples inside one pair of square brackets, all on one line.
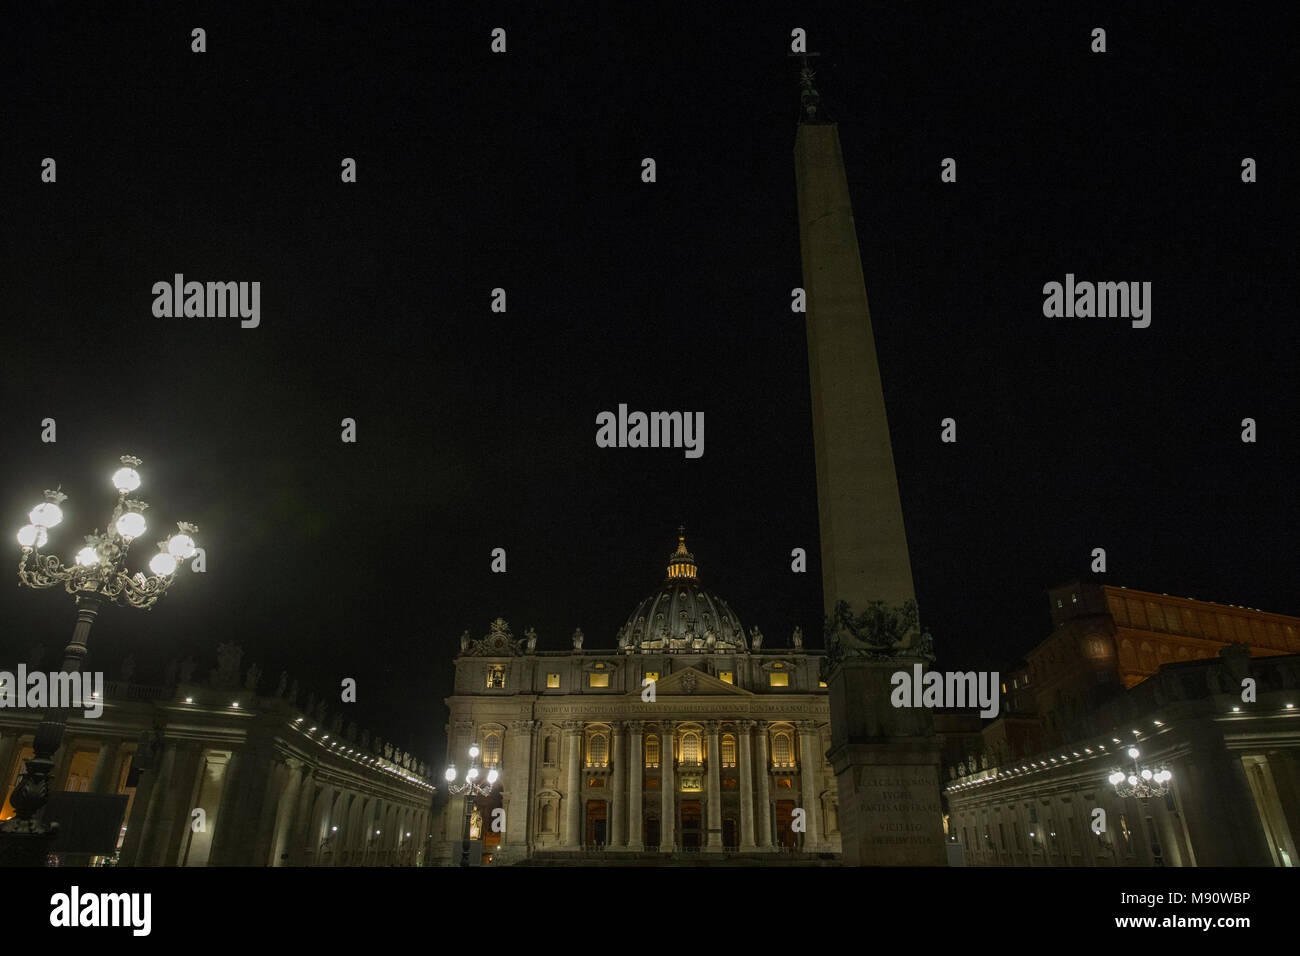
[(810, 99)]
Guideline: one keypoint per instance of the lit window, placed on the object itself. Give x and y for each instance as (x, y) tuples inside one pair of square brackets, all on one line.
[(491, 750), (778, 680), (496, 677), (652, 751), (552, 680), (691, 748), (597, 751), (726, 677), (728, 750), (821, 683), (652, 675), (600, 667), (782, 752), (597, 680)]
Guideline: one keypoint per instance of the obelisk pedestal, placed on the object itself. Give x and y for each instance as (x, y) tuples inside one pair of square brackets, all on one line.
[(886, 764)]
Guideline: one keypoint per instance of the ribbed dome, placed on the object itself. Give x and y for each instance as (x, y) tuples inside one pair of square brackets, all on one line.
[(681, 615)]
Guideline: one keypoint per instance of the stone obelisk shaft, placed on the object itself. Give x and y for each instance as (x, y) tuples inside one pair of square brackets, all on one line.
[(863, 545), (886, 759)]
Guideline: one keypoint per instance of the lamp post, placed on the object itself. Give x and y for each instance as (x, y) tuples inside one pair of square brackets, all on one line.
[(1140, 782), (471, 789), (97, 576)]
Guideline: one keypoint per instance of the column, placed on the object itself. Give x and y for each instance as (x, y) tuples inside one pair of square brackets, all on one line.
[(297, 839), (66, 753), (147, 794), (572, 836), (1286, 780), (285, 810), (764, 808), (221, 853), (176, 821), (9, 751), (714, 842), (104, 779), (140, 852), (1223, 821), (199, 846), (811, 759), (258, 847), (667, 790), (635, 787), (519, 791), (617, 751), (746, 787)]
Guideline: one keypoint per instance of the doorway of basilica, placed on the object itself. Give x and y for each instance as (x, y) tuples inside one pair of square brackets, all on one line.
[(785, 836), (691, 820), (597, 823)]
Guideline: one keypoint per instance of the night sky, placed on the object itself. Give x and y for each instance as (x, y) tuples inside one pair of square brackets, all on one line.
[(477, 430)]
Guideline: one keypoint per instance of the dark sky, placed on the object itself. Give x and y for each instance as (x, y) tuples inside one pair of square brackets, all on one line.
[(477, 430)]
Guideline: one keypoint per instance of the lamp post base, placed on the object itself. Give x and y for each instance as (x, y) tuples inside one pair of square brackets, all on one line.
[(26, 842)]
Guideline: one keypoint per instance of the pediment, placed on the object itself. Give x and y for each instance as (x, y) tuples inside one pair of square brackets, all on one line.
[(694, 682)]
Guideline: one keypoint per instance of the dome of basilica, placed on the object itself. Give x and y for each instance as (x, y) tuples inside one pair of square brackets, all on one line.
[(681, 615)]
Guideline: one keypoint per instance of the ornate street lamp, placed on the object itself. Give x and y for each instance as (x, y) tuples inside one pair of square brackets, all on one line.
[(1140, 782), (471, 788), (98, 575)]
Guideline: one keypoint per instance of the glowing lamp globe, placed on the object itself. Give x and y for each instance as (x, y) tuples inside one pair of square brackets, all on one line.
[(181, 546), (450, 774), (130, 525), (473, 774), (87, 557), (126, 479), (473, 750), (30, 534), (1132, 780), (1133, 752), (162, 564), (1116, 778), (492, 775), (46, 515)]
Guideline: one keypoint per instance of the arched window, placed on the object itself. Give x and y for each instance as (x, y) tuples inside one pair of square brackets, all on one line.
[(728, 750), (491, 750), (690, 748), (597, 751), (782, 752), (548, 752), (652, 751)]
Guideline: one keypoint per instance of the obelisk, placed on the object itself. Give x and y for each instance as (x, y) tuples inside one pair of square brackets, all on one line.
[(886, 759)]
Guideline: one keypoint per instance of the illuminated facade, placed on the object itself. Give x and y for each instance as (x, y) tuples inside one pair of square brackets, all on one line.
[(213, 773), (1210, 692), (688, 736)]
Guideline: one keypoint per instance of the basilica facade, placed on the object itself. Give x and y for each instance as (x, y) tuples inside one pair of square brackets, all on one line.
[(688, 739)]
